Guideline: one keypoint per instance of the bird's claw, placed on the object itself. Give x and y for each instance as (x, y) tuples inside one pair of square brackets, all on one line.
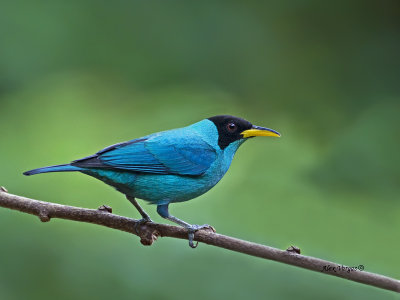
[(191, 231), (140, 223)]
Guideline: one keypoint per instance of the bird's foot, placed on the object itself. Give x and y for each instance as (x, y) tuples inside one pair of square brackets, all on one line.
[(142, 222), (193, 228)]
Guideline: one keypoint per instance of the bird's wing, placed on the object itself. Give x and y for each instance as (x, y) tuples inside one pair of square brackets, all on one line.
[(178, 152)]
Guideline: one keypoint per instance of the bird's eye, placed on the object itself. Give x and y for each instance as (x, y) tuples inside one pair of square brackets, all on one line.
[(231, 127)]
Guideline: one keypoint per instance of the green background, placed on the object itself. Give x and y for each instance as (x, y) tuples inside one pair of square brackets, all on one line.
[(76, 76)]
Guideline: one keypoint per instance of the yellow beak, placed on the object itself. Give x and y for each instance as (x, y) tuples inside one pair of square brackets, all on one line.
[(259, 131)]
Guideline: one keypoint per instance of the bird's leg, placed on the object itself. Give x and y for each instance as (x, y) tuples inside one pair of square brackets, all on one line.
[(163, 212), (145, 216)]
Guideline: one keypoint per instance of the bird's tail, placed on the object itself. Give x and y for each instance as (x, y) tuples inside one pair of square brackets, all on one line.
[(58, 168)]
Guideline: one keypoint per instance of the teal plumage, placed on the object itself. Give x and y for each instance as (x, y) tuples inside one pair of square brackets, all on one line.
[(170, 166), (200, 156)]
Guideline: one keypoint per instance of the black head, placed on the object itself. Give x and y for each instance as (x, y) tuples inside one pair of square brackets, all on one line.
[(229, 129)]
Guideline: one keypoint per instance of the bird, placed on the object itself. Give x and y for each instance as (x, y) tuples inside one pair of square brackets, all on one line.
[(169, 166)]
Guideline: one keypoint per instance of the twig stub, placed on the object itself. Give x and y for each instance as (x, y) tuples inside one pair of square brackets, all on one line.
[(293, 249), (105, 208)]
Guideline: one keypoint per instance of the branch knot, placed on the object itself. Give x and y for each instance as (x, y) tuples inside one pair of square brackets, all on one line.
[(147, 235), (44, 215)]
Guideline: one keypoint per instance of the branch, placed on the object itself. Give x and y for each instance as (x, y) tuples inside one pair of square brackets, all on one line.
[(149, 232)]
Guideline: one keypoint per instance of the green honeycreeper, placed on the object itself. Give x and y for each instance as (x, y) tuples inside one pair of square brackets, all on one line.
[(169, 166)]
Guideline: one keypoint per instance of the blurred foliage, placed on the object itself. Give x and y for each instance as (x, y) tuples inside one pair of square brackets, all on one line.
[(76, 76)]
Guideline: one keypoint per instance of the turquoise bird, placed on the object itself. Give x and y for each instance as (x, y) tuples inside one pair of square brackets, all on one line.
[(169, 166)]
